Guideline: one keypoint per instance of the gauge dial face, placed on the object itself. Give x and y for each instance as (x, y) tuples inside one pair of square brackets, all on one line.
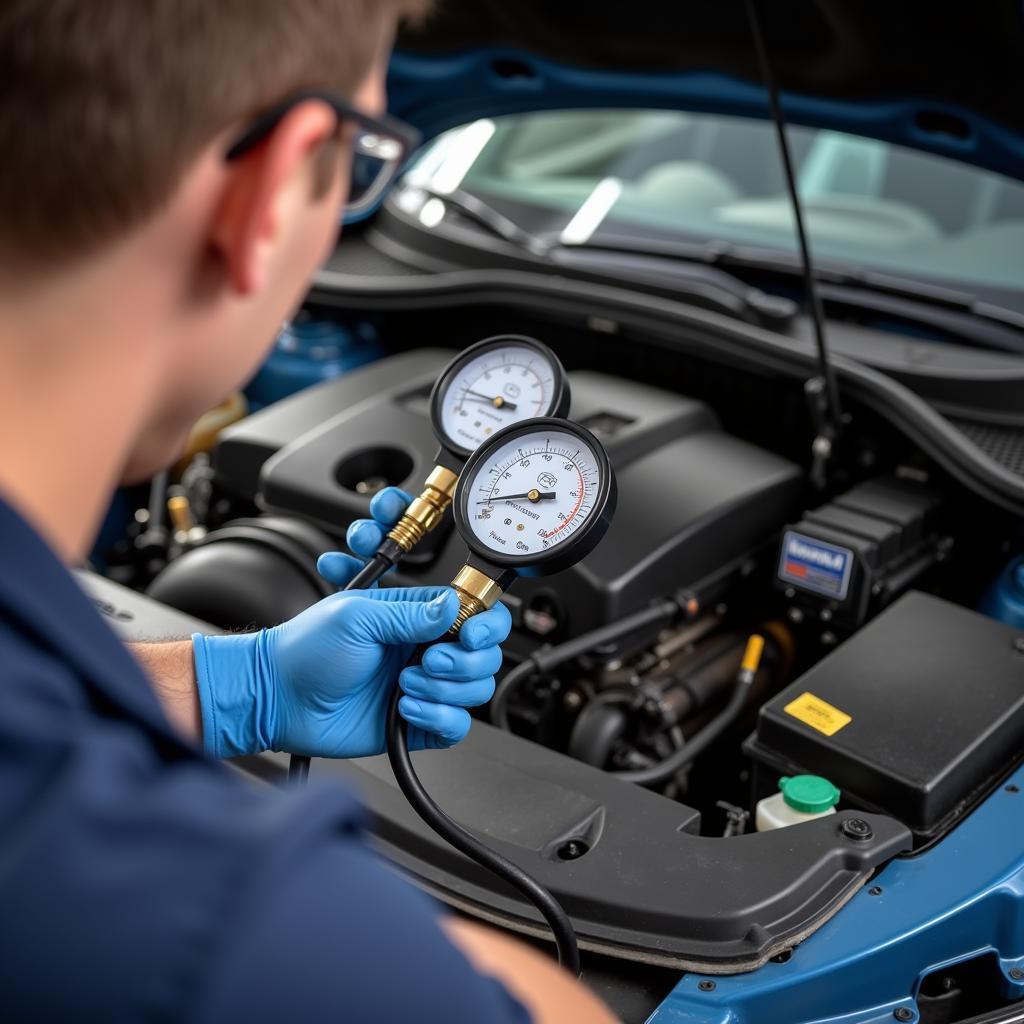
[(496, 388), (533, 493)]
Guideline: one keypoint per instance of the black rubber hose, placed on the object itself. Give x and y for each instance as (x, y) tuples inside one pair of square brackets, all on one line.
[(370, 573), (547, 658), (696, 745), (504, 690), (598, 727), (298, 768), (465, 842)]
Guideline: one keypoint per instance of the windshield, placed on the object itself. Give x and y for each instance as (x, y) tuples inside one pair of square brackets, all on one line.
[(581, 176)]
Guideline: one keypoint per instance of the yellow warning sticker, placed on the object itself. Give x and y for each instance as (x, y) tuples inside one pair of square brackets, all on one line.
[(818, 714)]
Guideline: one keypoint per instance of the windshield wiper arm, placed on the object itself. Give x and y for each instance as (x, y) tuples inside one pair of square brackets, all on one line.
[(486, 216), (934, 294), (952, 311), (725, 254), (946, 309), (769, 310)]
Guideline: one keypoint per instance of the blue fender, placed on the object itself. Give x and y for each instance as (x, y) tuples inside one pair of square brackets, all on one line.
[(961, 898)]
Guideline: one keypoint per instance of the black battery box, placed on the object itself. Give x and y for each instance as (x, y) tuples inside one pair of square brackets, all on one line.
[(919, 715)]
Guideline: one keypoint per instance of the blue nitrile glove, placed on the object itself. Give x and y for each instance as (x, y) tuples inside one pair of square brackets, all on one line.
[(319, 683)]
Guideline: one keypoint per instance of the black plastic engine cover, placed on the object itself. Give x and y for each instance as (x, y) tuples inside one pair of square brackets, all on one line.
[(691, 497)]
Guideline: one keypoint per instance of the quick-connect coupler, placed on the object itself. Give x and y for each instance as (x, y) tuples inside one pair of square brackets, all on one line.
[(426, 510), (422, 515)]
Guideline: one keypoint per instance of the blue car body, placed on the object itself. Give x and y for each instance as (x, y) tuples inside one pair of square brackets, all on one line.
[(961, 899)]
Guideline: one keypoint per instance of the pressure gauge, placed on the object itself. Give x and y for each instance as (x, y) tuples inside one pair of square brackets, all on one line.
[(493, 384), (532, 500), (536, 498)]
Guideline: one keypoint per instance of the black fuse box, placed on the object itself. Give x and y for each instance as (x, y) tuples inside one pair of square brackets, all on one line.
[(844, 561), (918, 715)]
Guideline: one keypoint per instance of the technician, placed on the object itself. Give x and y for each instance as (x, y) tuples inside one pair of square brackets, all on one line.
[(143, 273)]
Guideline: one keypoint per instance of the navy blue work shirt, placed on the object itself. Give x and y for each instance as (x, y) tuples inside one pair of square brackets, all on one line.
[(141, 881)]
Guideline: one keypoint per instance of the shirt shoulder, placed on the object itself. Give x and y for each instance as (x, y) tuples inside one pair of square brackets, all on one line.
[(139, 881), (337, 935)]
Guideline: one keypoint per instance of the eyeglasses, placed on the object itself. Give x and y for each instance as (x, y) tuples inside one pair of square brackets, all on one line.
[(380, 147)]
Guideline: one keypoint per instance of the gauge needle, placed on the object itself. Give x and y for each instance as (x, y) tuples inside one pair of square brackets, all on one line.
[(497, 401), (533, 495)]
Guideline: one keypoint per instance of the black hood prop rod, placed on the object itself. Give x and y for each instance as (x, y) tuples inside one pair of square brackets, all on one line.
[(822, 391)]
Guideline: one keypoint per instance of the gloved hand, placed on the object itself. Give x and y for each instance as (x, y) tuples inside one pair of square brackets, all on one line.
[(319, 684)]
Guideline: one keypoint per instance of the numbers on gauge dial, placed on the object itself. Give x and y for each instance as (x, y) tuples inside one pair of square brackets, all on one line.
[(534, 493), (498, 387)]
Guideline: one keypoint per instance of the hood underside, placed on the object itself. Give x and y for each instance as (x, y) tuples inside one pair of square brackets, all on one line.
[(945, 78)]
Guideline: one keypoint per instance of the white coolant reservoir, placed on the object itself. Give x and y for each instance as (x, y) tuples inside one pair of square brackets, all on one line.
[(800, 798)]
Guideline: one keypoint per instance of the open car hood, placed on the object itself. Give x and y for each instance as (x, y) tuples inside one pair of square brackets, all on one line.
[(943, 78)]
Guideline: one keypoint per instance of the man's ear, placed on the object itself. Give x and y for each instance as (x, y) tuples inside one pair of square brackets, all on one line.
[(259, 187)]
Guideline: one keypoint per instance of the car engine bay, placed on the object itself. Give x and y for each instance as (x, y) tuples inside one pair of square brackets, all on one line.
[(862, 584)]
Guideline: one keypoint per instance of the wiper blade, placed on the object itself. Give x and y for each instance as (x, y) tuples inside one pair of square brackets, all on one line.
[(482, 214), (977, 323), (945, 309), (939, 295), (770, 310)]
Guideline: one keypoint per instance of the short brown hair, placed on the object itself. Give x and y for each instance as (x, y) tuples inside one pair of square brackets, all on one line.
[(108, 101)]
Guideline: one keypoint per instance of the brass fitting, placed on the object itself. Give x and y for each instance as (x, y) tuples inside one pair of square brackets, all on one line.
[(477, 593), (181, 513), (426, 511)]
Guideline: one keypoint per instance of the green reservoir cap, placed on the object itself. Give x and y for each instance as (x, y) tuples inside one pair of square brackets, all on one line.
[(810, 794)]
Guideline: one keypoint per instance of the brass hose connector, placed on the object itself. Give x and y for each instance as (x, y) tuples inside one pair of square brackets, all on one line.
[(427, 510), (477, 593), (180, 511)]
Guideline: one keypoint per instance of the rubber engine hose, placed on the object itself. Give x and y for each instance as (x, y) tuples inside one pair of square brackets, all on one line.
[(551, 657), (696, 745)]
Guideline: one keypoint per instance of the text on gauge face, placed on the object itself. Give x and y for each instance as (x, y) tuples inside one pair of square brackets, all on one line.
[(509, 510), (498, 387)]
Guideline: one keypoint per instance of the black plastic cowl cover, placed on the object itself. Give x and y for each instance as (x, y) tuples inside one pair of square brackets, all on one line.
[(647, 887)]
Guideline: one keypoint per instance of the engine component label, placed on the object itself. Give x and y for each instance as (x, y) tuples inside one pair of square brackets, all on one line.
[(818, 714), (815, 565)]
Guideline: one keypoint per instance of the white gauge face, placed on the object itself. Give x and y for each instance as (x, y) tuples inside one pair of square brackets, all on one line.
[(534, 493), (497, 388)]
